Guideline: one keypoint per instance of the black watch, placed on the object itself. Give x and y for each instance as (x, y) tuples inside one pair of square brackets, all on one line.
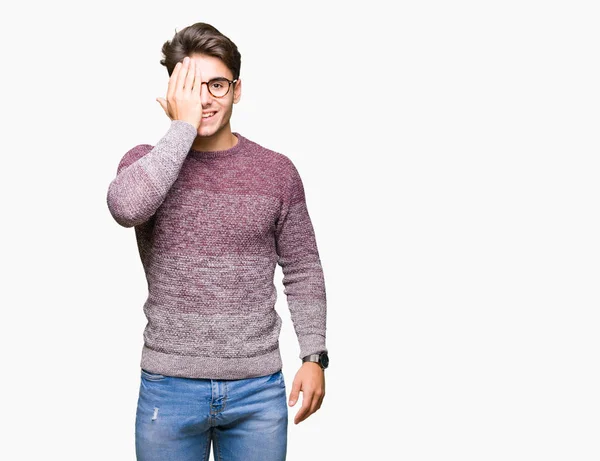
[(321, 358)]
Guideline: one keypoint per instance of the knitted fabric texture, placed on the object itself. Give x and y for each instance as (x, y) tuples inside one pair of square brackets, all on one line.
[(210, 228)]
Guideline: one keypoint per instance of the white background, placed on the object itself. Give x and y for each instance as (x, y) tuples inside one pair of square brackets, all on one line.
[(451, 176)]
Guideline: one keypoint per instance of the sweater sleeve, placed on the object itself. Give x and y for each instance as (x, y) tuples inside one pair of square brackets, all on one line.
[(303, 279), (145, 174)]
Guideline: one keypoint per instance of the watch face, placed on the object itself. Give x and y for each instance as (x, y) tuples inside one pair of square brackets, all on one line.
[(324, 359)]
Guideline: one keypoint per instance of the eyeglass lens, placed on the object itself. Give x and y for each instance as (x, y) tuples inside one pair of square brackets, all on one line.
[(218, 87)]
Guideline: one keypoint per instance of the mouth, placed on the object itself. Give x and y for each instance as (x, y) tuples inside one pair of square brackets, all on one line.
[(208, 116)]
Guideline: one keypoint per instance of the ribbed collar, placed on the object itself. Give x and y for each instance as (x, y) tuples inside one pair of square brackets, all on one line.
[(239, 147)]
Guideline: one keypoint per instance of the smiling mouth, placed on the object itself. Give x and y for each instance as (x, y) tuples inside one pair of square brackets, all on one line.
[(208, 116)]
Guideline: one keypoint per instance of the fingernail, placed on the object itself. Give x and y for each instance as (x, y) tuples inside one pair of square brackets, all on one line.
[(292, 402)]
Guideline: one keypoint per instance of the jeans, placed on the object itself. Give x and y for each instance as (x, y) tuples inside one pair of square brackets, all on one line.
[(177, 418)]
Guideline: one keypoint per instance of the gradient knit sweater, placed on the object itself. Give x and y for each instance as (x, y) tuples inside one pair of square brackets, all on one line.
[(210, 228)]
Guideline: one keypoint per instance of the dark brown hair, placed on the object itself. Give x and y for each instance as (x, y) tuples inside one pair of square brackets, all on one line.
[(205, 39)]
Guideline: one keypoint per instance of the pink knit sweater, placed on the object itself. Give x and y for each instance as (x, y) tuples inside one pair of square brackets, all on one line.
[(210, 229)]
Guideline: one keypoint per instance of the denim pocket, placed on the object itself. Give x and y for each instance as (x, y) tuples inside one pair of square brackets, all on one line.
[(152, 376)]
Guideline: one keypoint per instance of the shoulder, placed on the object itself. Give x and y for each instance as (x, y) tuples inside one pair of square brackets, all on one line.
[(273, 173), (133, 154), (270, 159), (277, 172)]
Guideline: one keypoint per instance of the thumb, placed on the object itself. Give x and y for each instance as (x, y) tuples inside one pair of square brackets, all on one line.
[(163, 104), (294, 393)]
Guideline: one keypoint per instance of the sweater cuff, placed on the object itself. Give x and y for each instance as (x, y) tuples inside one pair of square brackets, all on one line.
[(184, 126), (311, 344)]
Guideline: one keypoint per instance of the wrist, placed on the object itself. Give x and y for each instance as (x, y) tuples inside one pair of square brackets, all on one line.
[(320, 358)]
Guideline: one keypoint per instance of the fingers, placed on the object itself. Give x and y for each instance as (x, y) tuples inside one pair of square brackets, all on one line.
[(316, 403), (173, 82), (303, 413), (191, 74), (294, 392), (197, 89), (310, 403), (312, 399), (182, 75)]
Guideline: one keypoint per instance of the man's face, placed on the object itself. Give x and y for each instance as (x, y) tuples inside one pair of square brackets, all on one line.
[(211, 67)]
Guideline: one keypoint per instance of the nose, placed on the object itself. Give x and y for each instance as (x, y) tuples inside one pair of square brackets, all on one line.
[(205, 96)]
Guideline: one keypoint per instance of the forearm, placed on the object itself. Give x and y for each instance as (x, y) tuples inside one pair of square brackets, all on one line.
[(139, 189), (305, 291), (303, 279)]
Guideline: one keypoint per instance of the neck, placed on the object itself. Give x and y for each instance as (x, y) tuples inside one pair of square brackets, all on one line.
[(222, 140)]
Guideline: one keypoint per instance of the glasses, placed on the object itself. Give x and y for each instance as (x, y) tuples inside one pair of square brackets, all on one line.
[(219, 86)]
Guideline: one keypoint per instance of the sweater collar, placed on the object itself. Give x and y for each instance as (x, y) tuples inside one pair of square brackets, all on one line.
[(239, 147)]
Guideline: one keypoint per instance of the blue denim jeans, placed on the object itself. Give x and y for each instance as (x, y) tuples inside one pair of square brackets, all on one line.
[(178, 418)]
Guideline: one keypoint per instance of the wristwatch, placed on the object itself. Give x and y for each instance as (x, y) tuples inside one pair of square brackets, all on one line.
[(321, 358)]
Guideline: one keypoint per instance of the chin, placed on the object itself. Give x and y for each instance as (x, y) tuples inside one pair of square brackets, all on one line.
[(209, 131), (204, 133)]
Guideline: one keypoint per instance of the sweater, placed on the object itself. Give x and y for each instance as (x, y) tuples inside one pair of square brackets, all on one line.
[(210, 228)]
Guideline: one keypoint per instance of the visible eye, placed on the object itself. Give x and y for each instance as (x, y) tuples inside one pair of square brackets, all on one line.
[(216, 85)]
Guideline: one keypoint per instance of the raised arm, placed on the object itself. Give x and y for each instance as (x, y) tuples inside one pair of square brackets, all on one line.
[(303, 280), (145, 175)]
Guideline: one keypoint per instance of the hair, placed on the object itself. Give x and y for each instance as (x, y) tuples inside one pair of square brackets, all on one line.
[(205, 39)]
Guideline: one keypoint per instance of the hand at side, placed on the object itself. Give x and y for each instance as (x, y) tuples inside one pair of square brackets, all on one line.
[(310, 380)]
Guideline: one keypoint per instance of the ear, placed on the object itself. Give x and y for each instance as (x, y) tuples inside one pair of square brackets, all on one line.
[(237, 92)]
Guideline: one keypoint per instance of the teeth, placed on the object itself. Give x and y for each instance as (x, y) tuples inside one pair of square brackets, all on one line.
[(209, 115)]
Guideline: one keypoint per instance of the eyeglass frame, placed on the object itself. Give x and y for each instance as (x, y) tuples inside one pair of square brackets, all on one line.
[(230, 82)]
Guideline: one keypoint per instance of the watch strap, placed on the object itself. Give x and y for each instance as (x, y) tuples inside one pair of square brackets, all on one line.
[(319, 358), (312, 358)]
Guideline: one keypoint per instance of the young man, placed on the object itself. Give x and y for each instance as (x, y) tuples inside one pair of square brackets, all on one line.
[(214, 212)]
